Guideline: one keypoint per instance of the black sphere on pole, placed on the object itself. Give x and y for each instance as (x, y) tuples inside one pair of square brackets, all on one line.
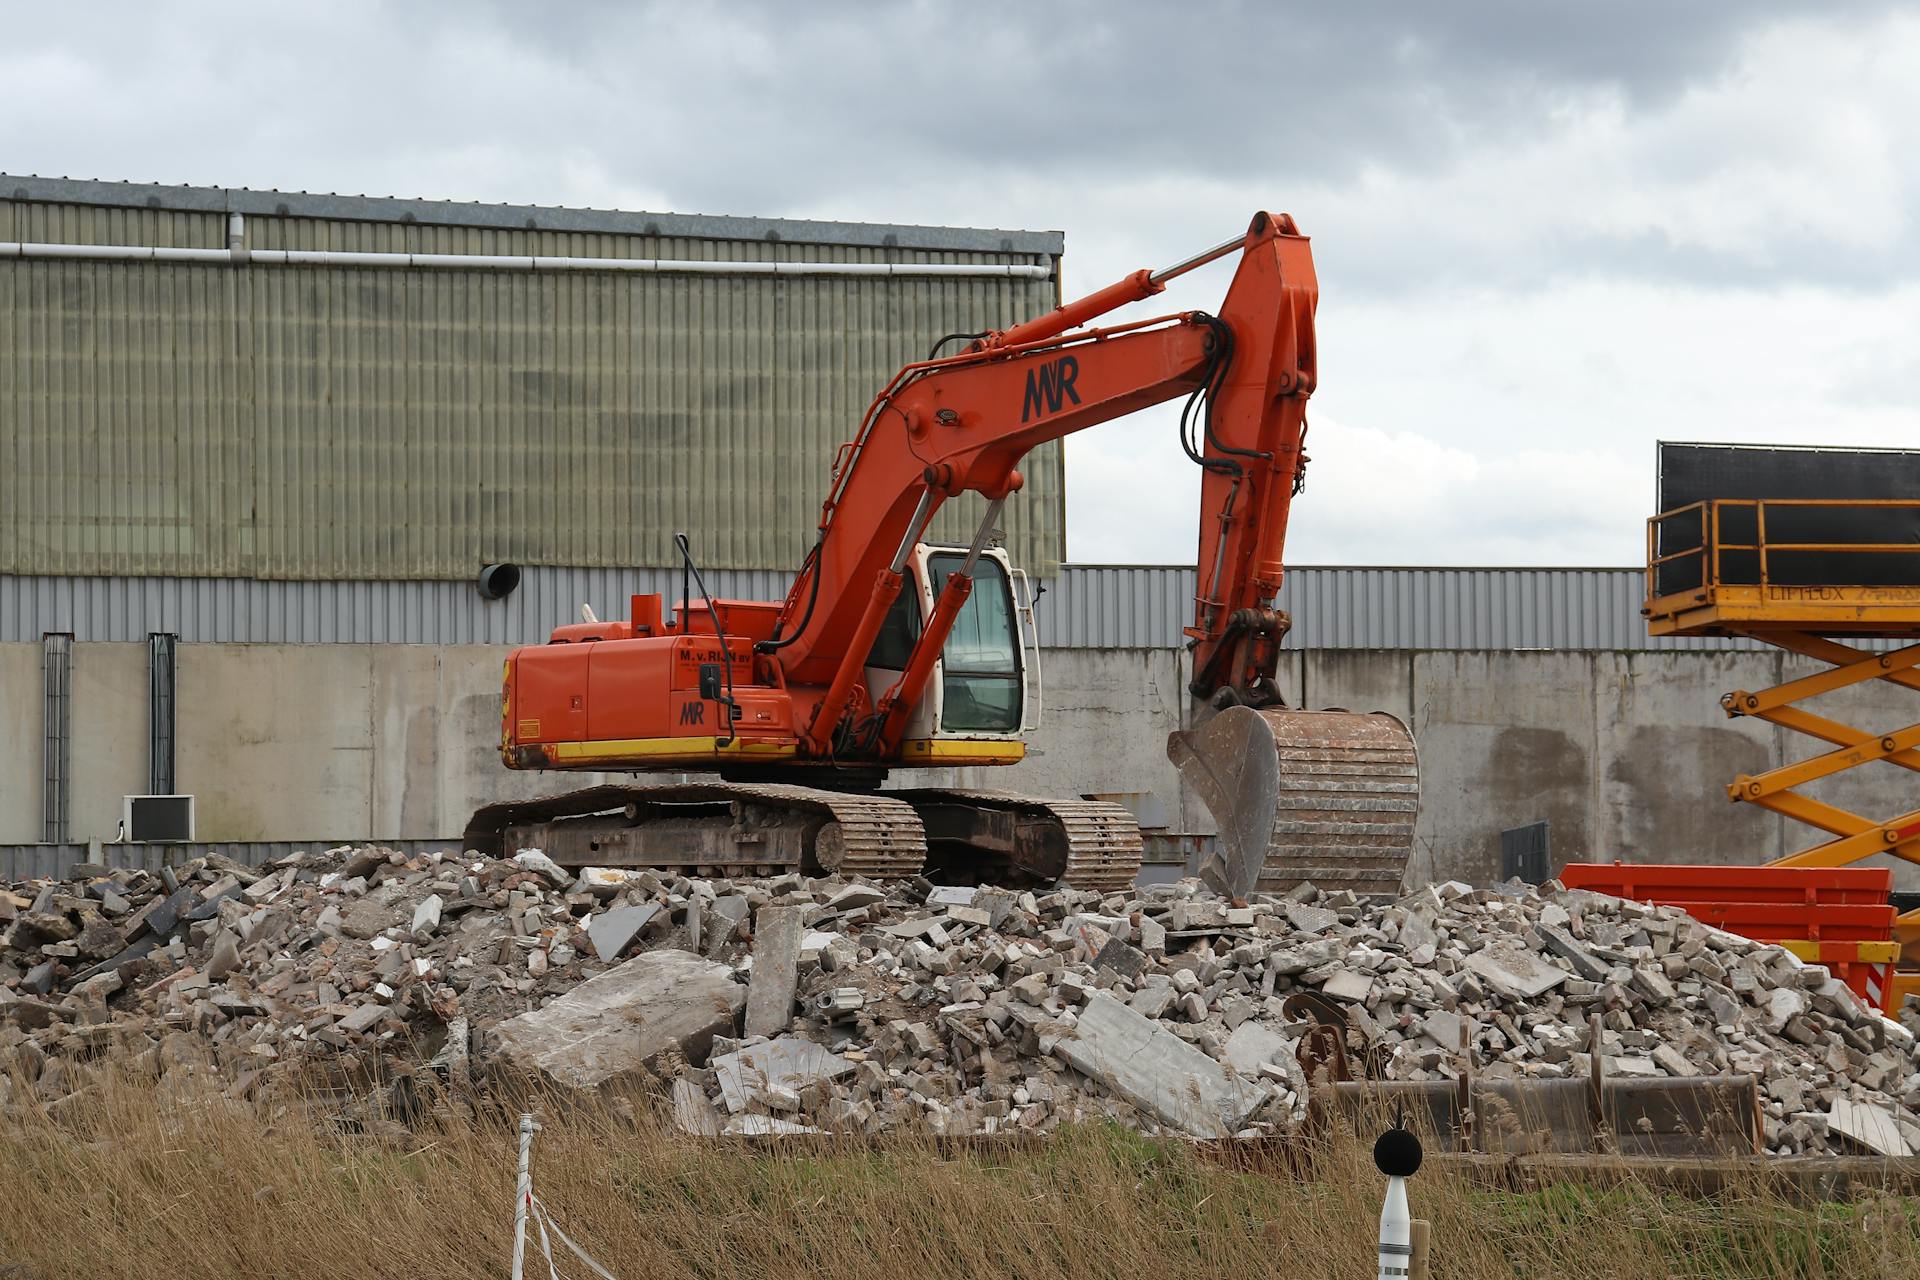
[(1397, 1153)]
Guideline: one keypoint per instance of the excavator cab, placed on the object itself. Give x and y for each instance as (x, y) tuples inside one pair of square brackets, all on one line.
[(985, 694)]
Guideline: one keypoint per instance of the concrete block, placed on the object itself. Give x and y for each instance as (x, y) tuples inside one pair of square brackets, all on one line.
[(426, 917), (1155, 1070), (1122, 957), (1784, 1004), (728, 915), (1583, 961), (617, 1023), (778, 935)]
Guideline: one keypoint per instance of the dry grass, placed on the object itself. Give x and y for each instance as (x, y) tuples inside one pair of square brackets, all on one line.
[(122, 1185)]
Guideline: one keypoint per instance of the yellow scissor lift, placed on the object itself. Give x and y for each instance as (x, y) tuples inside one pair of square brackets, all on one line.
[(1809, 619)]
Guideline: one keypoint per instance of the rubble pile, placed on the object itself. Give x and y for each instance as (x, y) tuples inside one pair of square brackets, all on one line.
[(792, 1004)]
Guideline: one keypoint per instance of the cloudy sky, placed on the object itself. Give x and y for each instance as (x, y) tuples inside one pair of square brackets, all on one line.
[(1548, 233)]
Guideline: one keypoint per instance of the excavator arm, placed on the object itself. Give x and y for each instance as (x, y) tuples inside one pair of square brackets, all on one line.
[(946, 427)]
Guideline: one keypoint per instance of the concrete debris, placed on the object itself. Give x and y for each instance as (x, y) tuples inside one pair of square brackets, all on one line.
[(762, 1073), (837, 1005), (617, 1023), (612, 931), (779, 933), (692, 1112), (1155, 1069), (1876, 1129)]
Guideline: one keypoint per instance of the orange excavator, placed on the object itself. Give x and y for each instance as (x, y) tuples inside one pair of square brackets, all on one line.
[(892, 654)]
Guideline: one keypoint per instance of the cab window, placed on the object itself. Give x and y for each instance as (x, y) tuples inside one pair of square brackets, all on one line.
[(980, 668)]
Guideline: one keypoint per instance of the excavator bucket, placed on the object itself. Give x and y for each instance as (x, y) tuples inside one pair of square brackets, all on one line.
[(1326, 796)]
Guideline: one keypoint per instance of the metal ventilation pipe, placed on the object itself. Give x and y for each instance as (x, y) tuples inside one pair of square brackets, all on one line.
[(497, 581)]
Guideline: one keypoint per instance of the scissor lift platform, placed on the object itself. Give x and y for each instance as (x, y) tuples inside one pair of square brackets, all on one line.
[(1802, 574)]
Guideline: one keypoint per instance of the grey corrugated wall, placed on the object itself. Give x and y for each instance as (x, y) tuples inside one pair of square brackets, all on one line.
[(1145, 607), (1083, 607), (312, 423)]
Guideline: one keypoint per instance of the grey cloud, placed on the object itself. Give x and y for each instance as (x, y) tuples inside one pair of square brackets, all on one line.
[(842, 109)]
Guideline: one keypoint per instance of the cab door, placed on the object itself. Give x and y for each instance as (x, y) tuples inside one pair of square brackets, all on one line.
[(980, 685)]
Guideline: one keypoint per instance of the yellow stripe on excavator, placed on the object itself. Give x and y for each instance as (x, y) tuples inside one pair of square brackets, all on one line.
[(961, 751), (690, 748)]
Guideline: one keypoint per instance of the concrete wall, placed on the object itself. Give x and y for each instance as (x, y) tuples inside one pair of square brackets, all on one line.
[(20, 727), (1625, 754)]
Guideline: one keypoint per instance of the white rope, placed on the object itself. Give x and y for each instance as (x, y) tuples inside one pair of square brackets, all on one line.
[(526, 1205), (546, 1246), (546, 1214)]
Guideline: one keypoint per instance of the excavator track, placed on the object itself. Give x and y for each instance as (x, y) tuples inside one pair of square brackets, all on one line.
[(700, 828), (1087, 844), (736, 829)]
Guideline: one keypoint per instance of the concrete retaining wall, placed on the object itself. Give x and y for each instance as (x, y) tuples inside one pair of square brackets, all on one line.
[(1626, 754)]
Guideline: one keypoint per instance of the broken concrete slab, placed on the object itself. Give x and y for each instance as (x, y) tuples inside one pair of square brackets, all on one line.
[(1784, 1004), (1350, 985), (1311, 919), (365, 918), (1256, 1045), (1874, 1128), (611, 932), (1443, 1027), (1516, 971), (1155, 1070), (692, 1113), (779, 933), (788, 1062), (617, 1023), (364, 1018)]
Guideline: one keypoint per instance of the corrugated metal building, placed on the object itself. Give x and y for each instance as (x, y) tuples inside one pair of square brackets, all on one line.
[(253, 447), (222, 383), (1082, 607)]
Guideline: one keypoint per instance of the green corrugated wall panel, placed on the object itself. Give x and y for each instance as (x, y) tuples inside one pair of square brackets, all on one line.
[(317, 423), (46, 223)]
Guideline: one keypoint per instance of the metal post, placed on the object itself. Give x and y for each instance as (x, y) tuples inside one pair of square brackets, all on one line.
[(523, 1192), (160, 721), (984, 532), (56, 671)]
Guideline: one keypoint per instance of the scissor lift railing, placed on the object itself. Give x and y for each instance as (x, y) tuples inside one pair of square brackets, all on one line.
[(1759, 587)]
